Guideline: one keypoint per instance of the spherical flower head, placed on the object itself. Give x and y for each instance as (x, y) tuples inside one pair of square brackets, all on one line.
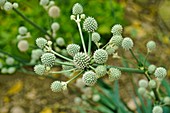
[(2, 2), (127, 43), (36, 54), (90, 24), (82, 16), (96, 97), (39, 69), (81, 60), (166, 100), (44, 2), (48, 59), (79, 83), (55, 26), (41, 42), (4, 70), (15, 5), (117, 29), (160, 72), (72, 49), (23, 45), (116, 40), (95, 37), (9, 61), (60, 41), (100, 56), (152, 84), (141, 90), (143, 83), (151, 46), (54, 11), (77, 9), (22, 30), (151, 68), (114, 74), (100, 71), (11, 70), (56, 86), (7, 6), (89, 78), (110, 50), (157, 109), (77, 100)]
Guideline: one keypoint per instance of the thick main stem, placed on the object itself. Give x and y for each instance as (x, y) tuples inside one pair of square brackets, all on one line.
[(89, 44), (32, 23)]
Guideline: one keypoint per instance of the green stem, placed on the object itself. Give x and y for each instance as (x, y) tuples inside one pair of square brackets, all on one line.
[(81, 35), (64, 71), (92, 68), (105, 45), (146, 58), (64, 63), (135, 57), (59, 55), (32, 23), (75, 77), (89, 45), (130, 70)]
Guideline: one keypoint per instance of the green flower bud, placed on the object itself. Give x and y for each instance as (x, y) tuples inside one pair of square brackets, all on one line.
[(151, 68), (117, 29), (160, 72), (8, 6), (152, 84), (95, 37), (22, 30), (141, 90), (4, 70), (151, 46), (96, 97), (127, 43), (60, 41), (89, 78), (55, 26), (114, 74), (11, 70), (36, 54), (166, 100), (2, 2), (101, 71), (39, 69), (81, 60), (41, 42), (44, 2), (23, 45), (143, 83), (90, 24), (110, 50), (54, 11), (100, 56), (77, 9), (116, 40), (157, 109), (72, 49), (15, 5), (9, 61), (48, 59)]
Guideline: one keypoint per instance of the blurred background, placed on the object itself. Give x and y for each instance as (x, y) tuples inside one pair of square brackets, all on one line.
[(143, 20)]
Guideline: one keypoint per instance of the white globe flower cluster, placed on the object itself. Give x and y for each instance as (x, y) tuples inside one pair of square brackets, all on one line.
[(7, 6)]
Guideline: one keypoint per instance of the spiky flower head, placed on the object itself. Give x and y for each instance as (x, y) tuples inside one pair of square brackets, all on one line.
[(44, 2), (100, 56), (152, 84), (77, 9), (9, 61), (157, 109), (100, 71), (41, 42), (55, 26), (141, 90), (127, 43), (114, 74), (48, 59), (95, 37), (23, 45), (56, 86), (116, 40), (151, 46), (110, 49), (81, 60), (151, 68), (117, 29), (7, 6), (160, 72), (166, 100), (22, 30), (89, 78), (54, 11), (60, 41), (39, 69), (2, 2), (90, 24), (72, 49), (143, 83)]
